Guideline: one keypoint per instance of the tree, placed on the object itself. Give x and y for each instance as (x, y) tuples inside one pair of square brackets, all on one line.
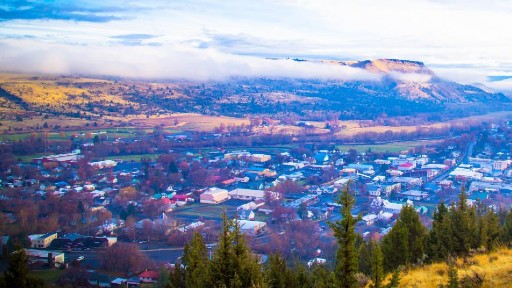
[(196, 262), (276, 272), (405, 243), (233, 263), (506, 229), (453, 278), (463, 230), (395, 280), (344, 232), (17, 273), (377, 268), (124, 257), (439, 243)]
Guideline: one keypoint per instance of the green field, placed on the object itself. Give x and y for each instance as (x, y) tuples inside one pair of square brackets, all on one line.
[(48, 276), (208, 211), (134, 158), (394, 147), (111, 133)]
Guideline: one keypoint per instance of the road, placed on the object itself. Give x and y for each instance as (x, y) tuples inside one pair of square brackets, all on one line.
[(161, 255), (467, 153)]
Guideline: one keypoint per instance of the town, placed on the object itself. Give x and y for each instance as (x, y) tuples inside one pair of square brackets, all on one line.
[(77, 208)]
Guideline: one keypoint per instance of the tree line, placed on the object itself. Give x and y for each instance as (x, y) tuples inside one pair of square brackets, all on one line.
[(458, 230)]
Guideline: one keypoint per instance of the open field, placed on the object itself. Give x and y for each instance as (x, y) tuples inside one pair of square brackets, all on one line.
[(208, 211), (393, 147), (48, 276), (189, 121), (495, 267)]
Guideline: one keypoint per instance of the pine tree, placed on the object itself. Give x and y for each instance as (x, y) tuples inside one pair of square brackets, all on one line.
[(233, 263), (276, 272), (365, 258), (506, 229), (463, 230), (344, 231), (493, 229), (196, 262), (405, 243), (439, 243), (395, 280), (453, 278), (377, 268), (17, 273)]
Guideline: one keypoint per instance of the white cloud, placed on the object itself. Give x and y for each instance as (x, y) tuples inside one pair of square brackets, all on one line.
[(159, 62)]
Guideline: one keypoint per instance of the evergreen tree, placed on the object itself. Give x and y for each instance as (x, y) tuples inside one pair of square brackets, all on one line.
[(176, 277), (196, 262), (439, 243), (233, 263), (323, 277), (453, 278), (365, 258), (405, 243), (395, 280), (17, 273), (463, 230), (493, 230), (377, 268), (276, 272), (344, 231), (506, 229)]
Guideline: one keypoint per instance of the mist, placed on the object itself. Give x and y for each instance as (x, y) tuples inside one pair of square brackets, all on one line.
[(160, 62)]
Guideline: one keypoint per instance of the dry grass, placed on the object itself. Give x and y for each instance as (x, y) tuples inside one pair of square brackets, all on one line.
[(495, 267), (189, 121)]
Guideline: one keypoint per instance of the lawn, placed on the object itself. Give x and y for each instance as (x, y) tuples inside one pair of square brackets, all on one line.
[(394, 147), (135, 158), (207, 211), (48, 276)]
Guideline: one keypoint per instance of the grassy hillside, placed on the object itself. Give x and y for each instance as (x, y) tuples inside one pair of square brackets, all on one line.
[(496, 268)]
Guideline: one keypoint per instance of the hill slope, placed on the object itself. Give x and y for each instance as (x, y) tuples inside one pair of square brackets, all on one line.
[(404, 88), (496, 268)]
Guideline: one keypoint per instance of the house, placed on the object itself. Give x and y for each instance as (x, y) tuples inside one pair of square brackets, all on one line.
[(407, 182), (245, 214), (261, 158), (321, 157), (393, 208), (149, 276), (265, 209), (42, 241), (500, 165), (407, 166), (247, 194), (415, 195), (56, 257), (98, 280), (251, 227), (119, 282), (373, 190), (369, 219), (214, 195)]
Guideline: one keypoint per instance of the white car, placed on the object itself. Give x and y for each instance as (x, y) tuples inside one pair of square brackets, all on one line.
[(80, 258)]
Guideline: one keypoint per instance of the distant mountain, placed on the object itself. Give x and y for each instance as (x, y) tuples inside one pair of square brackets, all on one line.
[(413, 80), (401, 88)]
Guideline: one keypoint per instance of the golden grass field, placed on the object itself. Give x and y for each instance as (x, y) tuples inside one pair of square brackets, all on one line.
[(496, 267)]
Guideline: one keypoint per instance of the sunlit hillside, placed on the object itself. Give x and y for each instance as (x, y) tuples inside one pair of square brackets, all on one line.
[(495, 268)]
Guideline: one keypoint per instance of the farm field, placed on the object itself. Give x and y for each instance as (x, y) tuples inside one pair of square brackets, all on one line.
[(393, 147)]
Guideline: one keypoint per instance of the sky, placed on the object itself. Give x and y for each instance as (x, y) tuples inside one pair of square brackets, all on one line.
[(466, 41)]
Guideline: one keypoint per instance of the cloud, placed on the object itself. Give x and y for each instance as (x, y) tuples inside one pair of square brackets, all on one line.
[(136, 39), (85, 11), (411, 77), (163, 62)]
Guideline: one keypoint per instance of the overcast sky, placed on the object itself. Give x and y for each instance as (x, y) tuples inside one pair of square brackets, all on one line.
[(466, 41)]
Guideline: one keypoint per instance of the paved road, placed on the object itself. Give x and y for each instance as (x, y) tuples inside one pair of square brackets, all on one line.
[(467, 153)]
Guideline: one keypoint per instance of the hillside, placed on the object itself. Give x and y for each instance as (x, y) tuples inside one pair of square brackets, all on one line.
[(495, 267), (406, 88)]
